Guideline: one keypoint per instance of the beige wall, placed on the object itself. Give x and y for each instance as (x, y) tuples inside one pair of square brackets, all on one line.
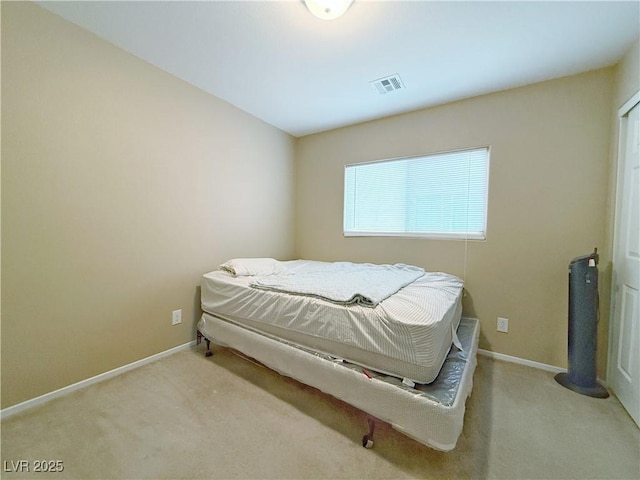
[(627, 76), (547, 201), (121, 185)]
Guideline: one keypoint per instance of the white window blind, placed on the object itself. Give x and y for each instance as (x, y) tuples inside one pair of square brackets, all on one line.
[(440, 196)]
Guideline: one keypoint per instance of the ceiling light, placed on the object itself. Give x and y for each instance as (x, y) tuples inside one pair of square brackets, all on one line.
[(327, 9)]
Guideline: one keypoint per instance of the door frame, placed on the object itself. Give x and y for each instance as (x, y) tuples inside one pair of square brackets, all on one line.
[(622, 112)]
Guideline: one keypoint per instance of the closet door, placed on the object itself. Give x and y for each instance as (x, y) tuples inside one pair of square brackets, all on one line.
[(624, 358)]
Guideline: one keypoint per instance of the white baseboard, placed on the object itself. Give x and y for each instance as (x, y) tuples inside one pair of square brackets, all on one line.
[(529, 363), (20, 407), (521, 361)]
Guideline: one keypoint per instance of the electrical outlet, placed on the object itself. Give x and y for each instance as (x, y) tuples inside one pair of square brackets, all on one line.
[(503, 325), (176, 317)]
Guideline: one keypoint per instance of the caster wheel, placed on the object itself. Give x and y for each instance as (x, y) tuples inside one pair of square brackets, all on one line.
[(367, 442), (208, 353)]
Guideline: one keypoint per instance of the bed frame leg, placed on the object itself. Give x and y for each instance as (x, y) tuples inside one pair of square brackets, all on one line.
[(199, 338), (367, 440)]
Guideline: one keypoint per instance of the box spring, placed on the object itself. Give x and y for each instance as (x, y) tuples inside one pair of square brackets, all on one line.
[(431, 414)]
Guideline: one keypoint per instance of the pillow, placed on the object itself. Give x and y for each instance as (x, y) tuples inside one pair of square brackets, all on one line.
[(241, 267)]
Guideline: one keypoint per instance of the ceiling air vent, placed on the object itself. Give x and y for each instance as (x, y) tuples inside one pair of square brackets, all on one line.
[(387, 84)]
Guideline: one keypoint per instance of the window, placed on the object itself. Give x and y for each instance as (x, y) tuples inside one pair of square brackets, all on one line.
[(434, 196)]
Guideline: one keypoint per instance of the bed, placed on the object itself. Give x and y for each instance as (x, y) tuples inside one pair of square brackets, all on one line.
[(388, 339)]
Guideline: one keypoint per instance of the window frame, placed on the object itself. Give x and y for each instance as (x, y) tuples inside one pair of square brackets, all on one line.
[(435, 235)]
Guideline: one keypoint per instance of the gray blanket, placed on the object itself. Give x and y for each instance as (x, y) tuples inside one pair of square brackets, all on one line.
[(344, 283)]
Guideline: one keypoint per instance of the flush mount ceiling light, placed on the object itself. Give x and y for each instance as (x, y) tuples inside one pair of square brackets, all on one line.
[(327, 9)]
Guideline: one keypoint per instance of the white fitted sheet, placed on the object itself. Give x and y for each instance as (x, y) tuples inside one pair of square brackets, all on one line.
[(407, 335), (431, 414)]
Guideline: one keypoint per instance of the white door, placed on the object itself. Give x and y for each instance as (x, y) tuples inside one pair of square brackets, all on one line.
[(624, 356)]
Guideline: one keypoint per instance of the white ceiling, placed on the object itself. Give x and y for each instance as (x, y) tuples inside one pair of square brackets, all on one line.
[(303, 75)]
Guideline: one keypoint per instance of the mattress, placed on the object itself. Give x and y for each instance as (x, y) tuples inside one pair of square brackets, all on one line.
[(407, 335), (431, 414)]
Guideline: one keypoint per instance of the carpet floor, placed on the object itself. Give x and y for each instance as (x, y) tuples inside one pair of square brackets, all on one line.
[(187, 416)]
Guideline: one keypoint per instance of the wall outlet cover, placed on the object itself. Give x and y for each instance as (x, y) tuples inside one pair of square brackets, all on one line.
[(503, 325)]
